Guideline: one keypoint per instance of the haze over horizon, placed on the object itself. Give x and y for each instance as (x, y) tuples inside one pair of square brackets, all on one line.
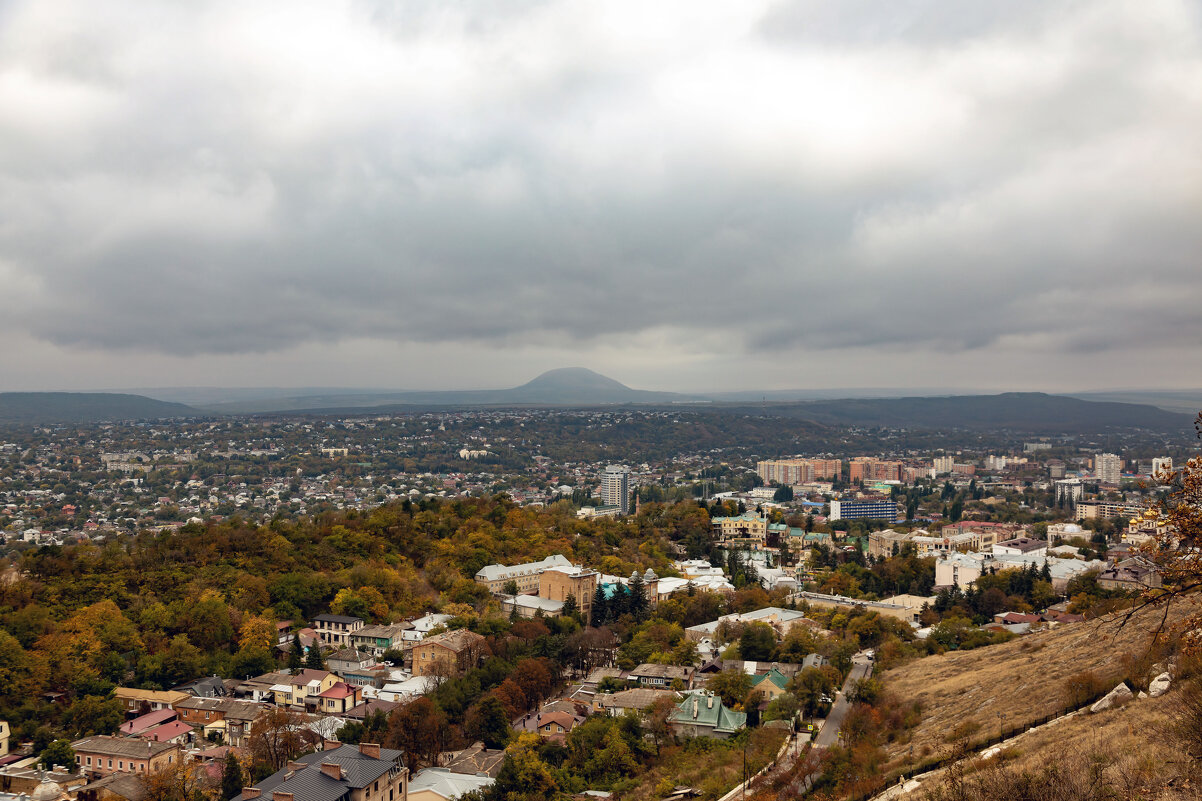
[(737, 195)]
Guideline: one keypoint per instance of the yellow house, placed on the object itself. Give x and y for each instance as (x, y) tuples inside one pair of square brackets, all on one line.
[(304, 689)]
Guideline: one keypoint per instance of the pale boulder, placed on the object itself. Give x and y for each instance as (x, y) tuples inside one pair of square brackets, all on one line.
[(1112, 698), (1159, 685)]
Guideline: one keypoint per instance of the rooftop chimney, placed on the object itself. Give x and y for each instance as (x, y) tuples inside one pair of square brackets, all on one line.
[(296, 766), (251, 792), (370, 749), (330, 745), (332, 769), (281, 796)]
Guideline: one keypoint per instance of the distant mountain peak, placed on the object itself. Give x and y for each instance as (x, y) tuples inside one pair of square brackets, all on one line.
[(579, 378)]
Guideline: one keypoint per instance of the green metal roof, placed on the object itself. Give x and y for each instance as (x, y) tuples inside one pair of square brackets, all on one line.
[(701, 709)]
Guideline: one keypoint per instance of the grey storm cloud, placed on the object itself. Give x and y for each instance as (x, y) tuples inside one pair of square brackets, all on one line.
[(222, 178)]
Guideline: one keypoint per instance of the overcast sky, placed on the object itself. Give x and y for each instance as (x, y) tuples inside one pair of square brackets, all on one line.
[(682, 195)]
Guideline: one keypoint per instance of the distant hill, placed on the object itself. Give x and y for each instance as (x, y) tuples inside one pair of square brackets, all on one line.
[(1188, 401), (1033, 412), (574, 385), (34, 408), (569, 386)]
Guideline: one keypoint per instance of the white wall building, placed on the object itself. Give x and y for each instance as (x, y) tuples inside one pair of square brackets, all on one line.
[(1108, 467), (615, 487)]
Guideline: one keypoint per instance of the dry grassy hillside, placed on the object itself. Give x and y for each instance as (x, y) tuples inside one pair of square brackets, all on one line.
[(1131, 746), (968, 696)]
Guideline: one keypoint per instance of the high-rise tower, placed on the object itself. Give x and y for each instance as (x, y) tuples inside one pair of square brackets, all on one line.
[(615, 487)]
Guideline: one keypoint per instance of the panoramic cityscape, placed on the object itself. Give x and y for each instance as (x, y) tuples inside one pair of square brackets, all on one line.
[(549, 400)]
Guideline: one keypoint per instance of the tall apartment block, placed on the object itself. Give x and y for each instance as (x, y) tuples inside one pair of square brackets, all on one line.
[(1109, 468), (798, 471), (615, 487)]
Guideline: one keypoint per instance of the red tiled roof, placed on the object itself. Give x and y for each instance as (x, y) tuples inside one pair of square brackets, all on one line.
[(339, 690)]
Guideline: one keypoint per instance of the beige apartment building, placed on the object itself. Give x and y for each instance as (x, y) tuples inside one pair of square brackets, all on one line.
[(557, 583), (798, 471)]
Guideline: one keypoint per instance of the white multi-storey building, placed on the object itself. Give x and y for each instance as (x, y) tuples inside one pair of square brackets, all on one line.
[(615, 487), (1108, 467)]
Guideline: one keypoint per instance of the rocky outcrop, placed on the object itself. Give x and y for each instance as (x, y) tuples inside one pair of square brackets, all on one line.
[(1113, 698)]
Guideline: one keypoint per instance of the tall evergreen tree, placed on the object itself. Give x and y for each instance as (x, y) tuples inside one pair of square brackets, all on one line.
[(231, 776), (296, 657), (619, 603), (600, 611), (638, 596), (314, 660)]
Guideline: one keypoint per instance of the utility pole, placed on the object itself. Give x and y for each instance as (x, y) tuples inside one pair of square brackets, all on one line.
[(744, 769)]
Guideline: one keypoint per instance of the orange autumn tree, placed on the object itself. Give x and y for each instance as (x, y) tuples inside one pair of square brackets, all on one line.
[(1176, 550)]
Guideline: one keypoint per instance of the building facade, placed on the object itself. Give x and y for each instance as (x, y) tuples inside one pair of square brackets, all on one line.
[(867, 509), (102, 755), (1109, 468), (526, 576), (449, 654), (336, 630), (615, 487), (557, 583)]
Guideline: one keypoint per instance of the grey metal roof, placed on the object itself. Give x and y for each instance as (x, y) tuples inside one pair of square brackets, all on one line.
[(310, 784), (307, 784), (358, 770)]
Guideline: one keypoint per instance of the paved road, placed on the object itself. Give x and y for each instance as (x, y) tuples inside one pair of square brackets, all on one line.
[(829, 734)]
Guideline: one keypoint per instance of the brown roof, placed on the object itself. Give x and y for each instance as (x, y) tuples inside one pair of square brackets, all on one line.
[(458, 640), (233, 708), (121, 747), (633, 699), (662, 671), (475, 759), (124, 785)]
